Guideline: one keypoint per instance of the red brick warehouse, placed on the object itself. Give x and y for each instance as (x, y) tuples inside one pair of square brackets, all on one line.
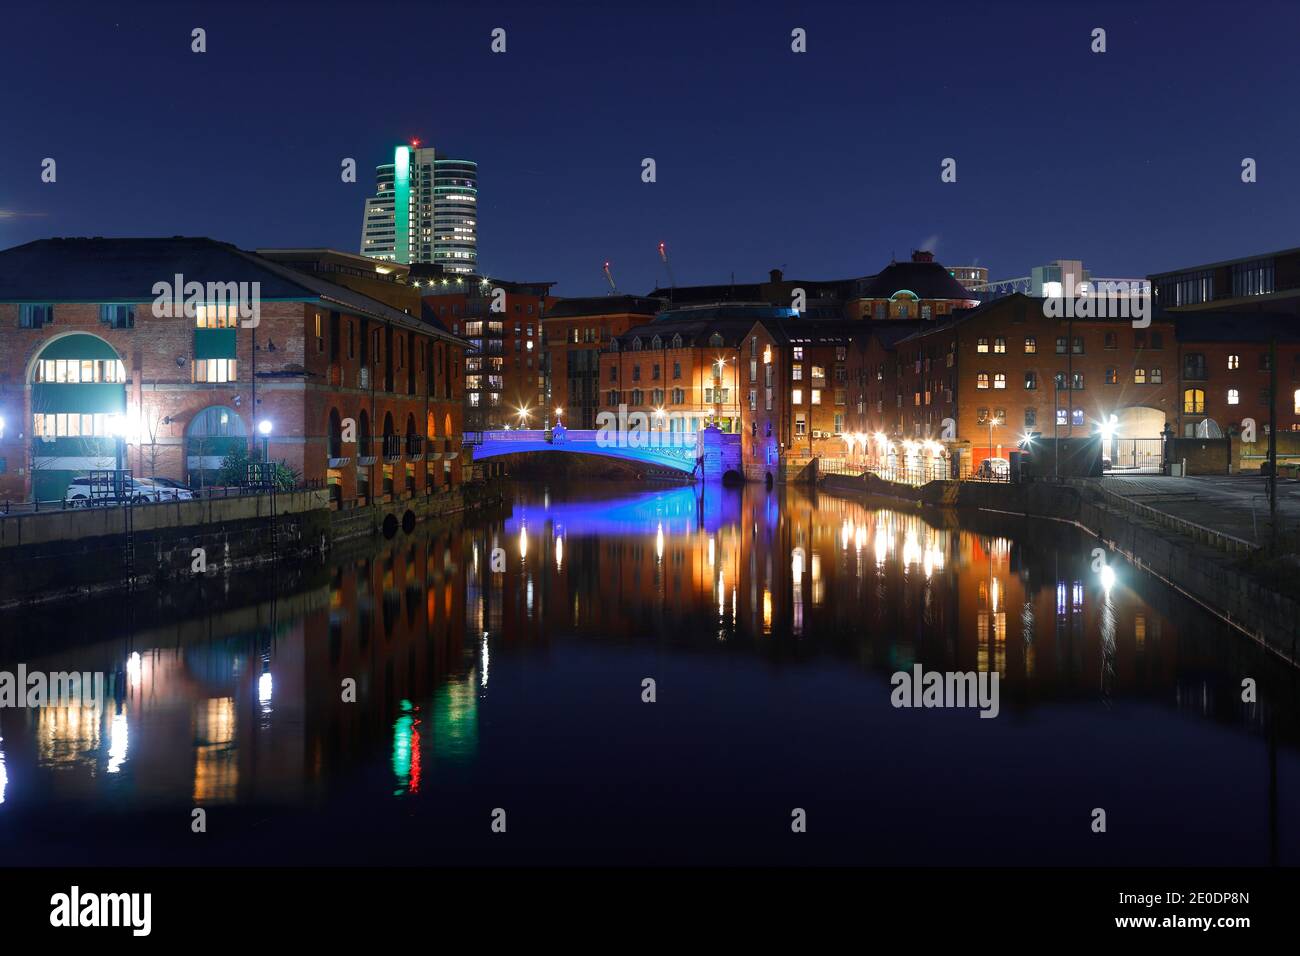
[(87, 369)]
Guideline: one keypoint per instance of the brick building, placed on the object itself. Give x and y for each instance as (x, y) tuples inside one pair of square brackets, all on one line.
[(505, 381), (1007, 369), (1224, 373), (356, 393), (575, 331)]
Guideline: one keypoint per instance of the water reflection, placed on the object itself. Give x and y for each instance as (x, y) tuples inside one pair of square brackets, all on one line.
[(245, 704)]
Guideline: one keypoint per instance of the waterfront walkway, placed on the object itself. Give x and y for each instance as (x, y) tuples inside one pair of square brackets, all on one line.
[(1233, 505)]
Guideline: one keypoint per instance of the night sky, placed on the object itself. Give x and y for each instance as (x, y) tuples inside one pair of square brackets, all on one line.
[(824, 164)]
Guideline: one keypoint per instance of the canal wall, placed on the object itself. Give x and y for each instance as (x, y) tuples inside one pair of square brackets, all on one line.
[(67, 554), (1204, 565)]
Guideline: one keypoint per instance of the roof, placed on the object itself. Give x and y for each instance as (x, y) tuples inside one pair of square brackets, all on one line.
[(1220, 264), (604, 305), (926, 280), (1259, 327), (126, 270)]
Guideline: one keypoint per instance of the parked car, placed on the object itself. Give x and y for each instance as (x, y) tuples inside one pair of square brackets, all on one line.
[(83, 493), (994, 469)]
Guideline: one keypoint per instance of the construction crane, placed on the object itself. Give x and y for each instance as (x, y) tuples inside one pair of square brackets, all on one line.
[(609, 277)]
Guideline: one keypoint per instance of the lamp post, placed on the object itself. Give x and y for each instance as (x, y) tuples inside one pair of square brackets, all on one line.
[(264, 429)]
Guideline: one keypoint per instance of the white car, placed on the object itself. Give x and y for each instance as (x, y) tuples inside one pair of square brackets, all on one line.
[(81, 492)]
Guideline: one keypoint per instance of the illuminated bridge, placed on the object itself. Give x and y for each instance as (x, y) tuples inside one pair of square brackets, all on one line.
[(710, 454)]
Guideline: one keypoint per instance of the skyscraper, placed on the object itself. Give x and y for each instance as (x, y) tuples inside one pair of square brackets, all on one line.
[(425, 209)]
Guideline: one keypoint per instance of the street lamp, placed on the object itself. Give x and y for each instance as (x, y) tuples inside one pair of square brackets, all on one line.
[(993, 420), (523, 417), (264, 429)]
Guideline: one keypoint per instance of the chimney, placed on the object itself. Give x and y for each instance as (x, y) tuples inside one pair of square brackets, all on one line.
[(920, 255), (775, 275)]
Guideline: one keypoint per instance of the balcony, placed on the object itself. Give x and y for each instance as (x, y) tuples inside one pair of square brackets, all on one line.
[(392, 448), (414, 447)]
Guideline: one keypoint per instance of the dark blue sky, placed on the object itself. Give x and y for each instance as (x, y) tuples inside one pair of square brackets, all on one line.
[(823, 163)]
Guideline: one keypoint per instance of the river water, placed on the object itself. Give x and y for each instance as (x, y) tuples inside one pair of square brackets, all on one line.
[(404, 702)]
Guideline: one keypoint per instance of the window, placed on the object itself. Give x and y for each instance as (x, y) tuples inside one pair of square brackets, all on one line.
[(982, 380), (1062, 416), (79, 370), (1031, 345), (1265, 362), (214, 370), (1252, 278), (220, 316), (1139, 340), (117, 316), (1156, 376), (1112, 376), (1194, 366), (1078, 345), (1139, 376), (753, 399), (1076, 417), (796, 373), (654, 372), (796, 396), (982, 344), (1233, 398), (1031, 417), (1059, 381), (982, 416), (320, 339), (1234, 362), (1000, 380), (1077, 381), (636, 373), (656, 343), (1111, 341), (1157, 340), (1193, 401), (800, 426), (677, 370), (613, 373), (798, 353), (1000, 344), (816, 396), (1031, 381), (35, 316), (1296, 400), (818, 372), (1061, 343)]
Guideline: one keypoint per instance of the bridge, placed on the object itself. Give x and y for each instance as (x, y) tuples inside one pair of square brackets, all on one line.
[(707, 454)]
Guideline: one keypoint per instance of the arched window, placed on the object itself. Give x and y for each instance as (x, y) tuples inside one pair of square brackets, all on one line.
[(1193, 401), (336, 434), (656, 343), (636, 344), (364, 447), (677, 341), (211, 435)]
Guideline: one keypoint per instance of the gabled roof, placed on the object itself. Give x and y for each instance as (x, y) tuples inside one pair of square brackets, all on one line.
[(126, 270)]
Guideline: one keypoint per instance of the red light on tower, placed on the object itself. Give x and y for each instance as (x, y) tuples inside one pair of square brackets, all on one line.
[(415, 142)]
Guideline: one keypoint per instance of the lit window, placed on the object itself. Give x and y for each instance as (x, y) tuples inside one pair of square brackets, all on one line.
[(982, 380), (796, 396), (1233, 397)]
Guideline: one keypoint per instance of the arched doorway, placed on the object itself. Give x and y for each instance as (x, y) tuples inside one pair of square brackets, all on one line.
[(78, 400), (210, 436), (1132, 440)]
